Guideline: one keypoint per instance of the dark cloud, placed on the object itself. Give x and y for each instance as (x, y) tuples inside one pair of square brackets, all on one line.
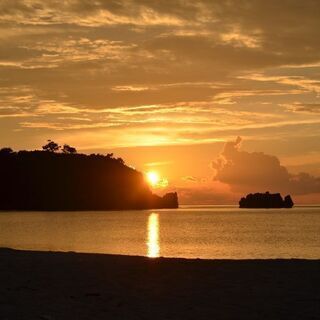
[(258, 172)]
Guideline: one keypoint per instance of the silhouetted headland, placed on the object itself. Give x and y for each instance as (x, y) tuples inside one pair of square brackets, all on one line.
[(266, 200), (48, 180)]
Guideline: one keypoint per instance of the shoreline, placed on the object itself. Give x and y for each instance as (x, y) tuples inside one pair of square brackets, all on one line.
[(65, 285), (168, 258)]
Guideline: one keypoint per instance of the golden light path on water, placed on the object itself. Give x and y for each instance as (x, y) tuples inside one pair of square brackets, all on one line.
[(153, 243)]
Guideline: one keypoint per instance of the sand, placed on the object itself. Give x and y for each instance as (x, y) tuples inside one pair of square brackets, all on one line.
[(46, 285)]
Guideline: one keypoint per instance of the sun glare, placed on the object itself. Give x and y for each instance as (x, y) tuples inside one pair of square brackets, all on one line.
[(153, 178)]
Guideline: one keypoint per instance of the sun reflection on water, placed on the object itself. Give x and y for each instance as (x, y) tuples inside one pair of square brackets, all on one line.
[(153, 243)]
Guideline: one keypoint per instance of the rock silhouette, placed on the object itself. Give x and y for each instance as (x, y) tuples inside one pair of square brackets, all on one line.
[(47, 180), (265, 200)]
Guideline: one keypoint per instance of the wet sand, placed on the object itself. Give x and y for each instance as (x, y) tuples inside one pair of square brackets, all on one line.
[(45, 285)]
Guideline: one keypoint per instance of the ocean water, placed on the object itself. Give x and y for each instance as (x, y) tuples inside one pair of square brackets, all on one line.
[(208, 232)]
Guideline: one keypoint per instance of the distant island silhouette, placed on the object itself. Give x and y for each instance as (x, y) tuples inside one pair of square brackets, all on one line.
[(49, 180), (266, 200)]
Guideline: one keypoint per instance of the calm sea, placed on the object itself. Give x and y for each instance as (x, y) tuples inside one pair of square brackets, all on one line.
[(215, 232)]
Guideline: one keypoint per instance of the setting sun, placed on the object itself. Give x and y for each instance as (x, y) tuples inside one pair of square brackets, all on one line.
[(153, 178)]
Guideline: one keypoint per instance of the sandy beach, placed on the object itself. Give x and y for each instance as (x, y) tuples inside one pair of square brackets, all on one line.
[(47, 285)]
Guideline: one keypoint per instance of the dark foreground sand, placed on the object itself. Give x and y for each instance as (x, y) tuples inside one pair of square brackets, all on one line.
[(39, 285)]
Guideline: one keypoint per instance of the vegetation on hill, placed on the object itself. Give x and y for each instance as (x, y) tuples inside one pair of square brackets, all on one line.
[(54, 180)]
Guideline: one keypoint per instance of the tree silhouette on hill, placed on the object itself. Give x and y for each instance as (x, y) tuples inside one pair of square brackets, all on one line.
[(67, 149), (66, 180), (51, 146)]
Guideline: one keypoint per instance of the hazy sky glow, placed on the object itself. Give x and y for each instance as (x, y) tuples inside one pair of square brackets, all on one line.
[(166, 83)]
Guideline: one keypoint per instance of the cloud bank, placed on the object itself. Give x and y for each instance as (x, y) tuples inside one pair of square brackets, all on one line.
[(258, 172)]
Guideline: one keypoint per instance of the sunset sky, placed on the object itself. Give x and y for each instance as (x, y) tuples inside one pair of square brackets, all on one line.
[(170, 86)]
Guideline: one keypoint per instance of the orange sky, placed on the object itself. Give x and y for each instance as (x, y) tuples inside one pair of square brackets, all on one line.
[(166, 84)]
